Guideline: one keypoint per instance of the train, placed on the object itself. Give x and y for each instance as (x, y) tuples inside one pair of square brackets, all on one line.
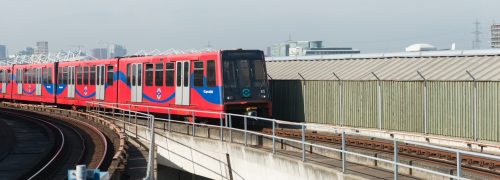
[(225, 81)]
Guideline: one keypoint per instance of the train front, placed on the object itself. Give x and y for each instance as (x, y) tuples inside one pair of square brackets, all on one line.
[(246, 88)]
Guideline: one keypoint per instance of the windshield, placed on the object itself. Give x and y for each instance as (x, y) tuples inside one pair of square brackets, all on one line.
[(244, 70)]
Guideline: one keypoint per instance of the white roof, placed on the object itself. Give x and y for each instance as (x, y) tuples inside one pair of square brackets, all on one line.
[(420, 47), (435, 65)]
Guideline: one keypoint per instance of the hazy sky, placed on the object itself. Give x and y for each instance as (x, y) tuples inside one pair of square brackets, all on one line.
[(368, 25)]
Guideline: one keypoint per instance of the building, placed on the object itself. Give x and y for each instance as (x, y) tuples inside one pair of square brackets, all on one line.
[(99, 53), (495, 36), (307, 48), (27, 52), (42, 48), (116, 50), (3, 52)]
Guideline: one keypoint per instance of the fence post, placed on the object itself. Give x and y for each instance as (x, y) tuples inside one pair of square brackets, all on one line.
[(221, 128), (303, 129), (169, 119), (459, 165), (343, 151), (230, 129), (245, 127), (425, 102), (304, 95), (395, 159), (274, 138), (341, 99), (379, 102), (194, 129), (474, 106)]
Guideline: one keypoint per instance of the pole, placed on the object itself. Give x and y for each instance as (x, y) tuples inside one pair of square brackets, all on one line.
[(395, 159), (245, 126), (425, 102), (274, 138), (341, 100), (343, 151), (303, 142), (379, 102), (459, 165)]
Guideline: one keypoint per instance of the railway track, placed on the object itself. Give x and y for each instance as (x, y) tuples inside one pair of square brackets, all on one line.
[(484, 168), (74, 143)]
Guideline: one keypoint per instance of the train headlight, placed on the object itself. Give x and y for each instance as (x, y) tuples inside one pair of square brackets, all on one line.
[(229, 98), (263, 96)]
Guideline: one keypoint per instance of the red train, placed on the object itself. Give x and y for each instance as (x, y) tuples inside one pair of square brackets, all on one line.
[(233, 81)]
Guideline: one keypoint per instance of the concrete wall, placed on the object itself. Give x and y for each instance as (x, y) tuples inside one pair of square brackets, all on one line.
[(207, 157)]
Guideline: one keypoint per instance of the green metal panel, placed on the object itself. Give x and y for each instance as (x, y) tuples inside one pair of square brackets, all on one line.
[(360, 98), (322, 102), (488, 111), (402, 106), (450, 109)]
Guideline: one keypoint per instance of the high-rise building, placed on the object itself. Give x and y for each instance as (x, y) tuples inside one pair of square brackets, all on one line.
[(99, 53), (3, 52), (495, 36), (27, 52), (42, 48), (307, 48), (116, 50)]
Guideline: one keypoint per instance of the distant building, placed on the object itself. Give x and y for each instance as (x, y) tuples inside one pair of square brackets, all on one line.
[(420, 47), (42, 48), (99, 53), (27, 52), (3, 52), (495, 36), (307, 48), (116, 50)]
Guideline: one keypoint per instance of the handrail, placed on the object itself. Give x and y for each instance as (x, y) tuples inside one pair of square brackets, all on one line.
[(302, 142)]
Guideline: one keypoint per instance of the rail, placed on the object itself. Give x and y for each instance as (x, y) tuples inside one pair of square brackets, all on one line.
[(226, 119), (119, 159)]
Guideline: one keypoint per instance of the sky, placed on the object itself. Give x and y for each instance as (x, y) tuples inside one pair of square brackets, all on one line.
[(367, 25)]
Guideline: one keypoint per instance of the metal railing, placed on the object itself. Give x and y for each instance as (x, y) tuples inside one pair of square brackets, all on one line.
[(226, 123), (101, 110)]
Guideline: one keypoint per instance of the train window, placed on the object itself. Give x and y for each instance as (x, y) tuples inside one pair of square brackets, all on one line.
[(59, 76), (1, 76), (186, 74), (149, 74), (44, 75), (159, 74), (30, 76), (169, 79), (85, 75), (128, 74), (259, 73), (198, 73), (79, 75), (65, 75), (243, 67), (49, 76), (179, 74), (92, 75), (133, 81), (111, 74), (211, 73)]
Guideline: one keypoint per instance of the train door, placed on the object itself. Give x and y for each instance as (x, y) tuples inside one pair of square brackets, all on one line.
[(3, 80), (182, 90), (19, 81), (71, 82), (38, 81), (100, 87), (136, 84)]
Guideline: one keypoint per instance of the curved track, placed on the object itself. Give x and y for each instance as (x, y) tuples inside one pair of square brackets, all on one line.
[(72, 143)]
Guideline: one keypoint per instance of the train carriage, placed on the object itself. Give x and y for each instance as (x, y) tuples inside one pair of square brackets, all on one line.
[(82, 81), (222, 81), (34, 83), (5, 82)]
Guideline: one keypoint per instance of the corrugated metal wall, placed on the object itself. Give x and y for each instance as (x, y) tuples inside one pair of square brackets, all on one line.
[(450, 105)]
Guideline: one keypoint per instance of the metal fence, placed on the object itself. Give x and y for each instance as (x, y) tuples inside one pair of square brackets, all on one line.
[(466, 109), (114, 111)]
